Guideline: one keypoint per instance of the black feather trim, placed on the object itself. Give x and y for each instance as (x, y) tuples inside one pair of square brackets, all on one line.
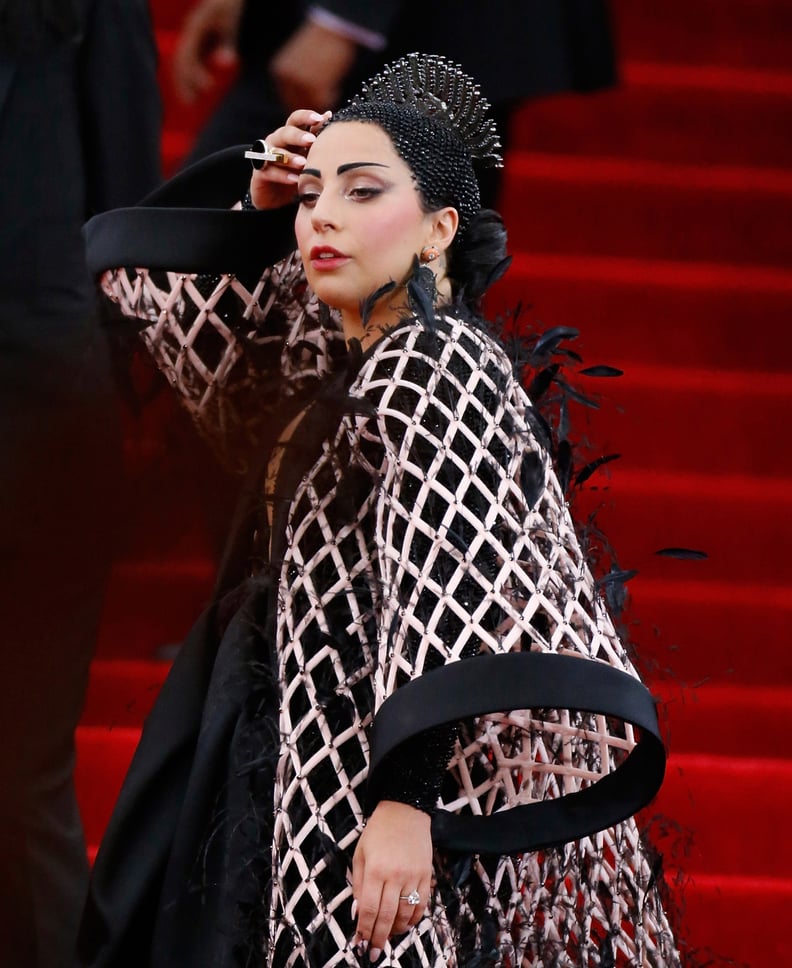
[(542, 381), (585, 473), (368, 304), (422, 293), (613, 587), (548, 342), (564, 464), (602, 370), (686, 554), (576, 395)]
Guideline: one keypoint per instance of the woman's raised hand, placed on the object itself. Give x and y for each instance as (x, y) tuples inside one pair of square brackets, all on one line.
[(273, 184), (393, 860)]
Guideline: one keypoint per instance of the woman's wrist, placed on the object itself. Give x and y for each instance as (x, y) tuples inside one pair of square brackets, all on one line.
[(409, 811)]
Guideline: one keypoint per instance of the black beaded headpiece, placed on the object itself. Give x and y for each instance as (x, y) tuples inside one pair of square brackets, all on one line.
[(438, 122)]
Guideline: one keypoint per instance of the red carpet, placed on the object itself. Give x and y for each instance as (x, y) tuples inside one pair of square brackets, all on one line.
[(656, 219)]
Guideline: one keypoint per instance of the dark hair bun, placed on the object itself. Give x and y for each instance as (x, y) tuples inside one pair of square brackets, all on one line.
[(478, 258)]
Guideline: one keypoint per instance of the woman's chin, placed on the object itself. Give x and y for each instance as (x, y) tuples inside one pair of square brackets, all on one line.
[(334, 293)]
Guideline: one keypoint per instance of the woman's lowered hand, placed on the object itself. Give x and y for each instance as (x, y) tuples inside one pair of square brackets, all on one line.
[(393, 860)]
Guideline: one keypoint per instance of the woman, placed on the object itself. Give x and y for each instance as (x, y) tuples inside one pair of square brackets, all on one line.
[(407, 517)]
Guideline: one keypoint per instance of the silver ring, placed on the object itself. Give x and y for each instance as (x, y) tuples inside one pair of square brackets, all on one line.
[(412, 898), (259, 153)]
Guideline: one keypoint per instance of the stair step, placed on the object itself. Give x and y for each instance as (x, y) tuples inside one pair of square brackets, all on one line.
[(737, 33), (103, 758), (630, 310), (700, 632), (151, 604), (724, 814), (685, 419), (742, 523), (611, 206), (712, 719), (738, 921), (670, 113), (121, 692)]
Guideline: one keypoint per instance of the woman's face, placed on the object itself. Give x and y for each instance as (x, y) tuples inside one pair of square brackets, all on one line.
[(360, 223)]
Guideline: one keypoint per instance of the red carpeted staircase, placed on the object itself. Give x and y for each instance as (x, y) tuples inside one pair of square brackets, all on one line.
[(656, 219)]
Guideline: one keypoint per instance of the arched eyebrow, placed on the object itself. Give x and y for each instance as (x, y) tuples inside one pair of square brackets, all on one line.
[(348, 167), (360, 164)]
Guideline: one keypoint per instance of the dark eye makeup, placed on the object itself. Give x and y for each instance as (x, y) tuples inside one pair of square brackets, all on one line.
[(358, 193)]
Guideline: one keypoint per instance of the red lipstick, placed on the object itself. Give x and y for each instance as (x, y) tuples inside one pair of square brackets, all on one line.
[(325, 258)]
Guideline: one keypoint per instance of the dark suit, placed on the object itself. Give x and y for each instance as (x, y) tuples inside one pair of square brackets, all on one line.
[(514, 50), (79, 132)]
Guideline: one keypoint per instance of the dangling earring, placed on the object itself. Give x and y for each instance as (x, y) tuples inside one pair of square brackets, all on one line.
[(422, 291), (429, 253)]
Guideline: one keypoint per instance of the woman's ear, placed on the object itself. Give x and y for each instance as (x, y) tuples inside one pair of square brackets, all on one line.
[(445, 222)]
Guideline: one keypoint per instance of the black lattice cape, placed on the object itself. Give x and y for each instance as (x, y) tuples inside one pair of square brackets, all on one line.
[(396, 534)]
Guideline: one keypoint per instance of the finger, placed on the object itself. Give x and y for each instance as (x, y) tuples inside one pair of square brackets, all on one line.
[(291, 160), (358, 871), (225, 56), (383, 925), (279, 158), (296, 137), (419, 910), (408, 914), (369, 900), (272, 175), (290, 137), (325, 116), (306, 119), (404, 912), (190, 78), (358, 868)]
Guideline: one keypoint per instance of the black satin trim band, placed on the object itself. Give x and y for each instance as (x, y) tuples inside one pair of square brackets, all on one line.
[(188, 225), (529, 680)]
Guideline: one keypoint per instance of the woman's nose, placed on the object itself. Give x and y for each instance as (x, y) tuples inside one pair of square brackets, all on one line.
[(323, 214)]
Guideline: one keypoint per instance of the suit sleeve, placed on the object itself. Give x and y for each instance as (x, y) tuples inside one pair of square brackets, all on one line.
[(375, 17), (120, 104)]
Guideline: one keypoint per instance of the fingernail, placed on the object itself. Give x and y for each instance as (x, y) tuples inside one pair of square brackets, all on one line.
[(292, 176), (374, 955), (308, 138), (298, 160), (354, 908), (318, 117)]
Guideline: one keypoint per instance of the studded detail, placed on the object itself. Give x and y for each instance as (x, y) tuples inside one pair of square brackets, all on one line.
[(439, 88), (431, 109)]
